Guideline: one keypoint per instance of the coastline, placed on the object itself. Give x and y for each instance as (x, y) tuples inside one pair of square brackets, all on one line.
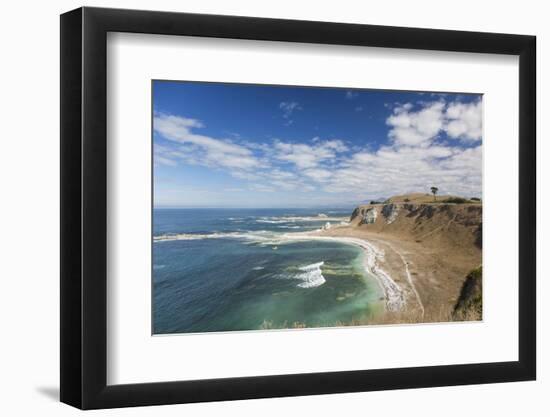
[(394, 295), (421, 282), (382, 260), (417, 261)]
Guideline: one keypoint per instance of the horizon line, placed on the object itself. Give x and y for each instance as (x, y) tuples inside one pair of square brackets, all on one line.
[(251, 208)]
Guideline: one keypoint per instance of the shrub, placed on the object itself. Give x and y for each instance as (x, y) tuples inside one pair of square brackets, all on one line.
[(470, 302), (455, 200)]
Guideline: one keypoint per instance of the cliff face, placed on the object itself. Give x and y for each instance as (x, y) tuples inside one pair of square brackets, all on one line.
[(432, 246), (438, 223)]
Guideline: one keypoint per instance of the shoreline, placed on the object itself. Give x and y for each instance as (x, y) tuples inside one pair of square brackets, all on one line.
[(394, 295), (419, 258), (419, 271), (428, 273)]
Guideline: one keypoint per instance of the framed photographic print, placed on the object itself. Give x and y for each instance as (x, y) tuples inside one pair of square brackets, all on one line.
[(257, 208)]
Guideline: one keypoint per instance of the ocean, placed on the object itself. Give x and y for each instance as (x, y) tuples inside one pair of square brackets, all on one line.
[(236, 269)]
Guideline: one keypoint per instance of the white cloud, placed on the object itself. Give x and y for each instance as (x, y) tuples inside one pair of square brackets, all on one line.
[(288, 107), (335, 144), (163, 156), (415, 128), (395, 170), (244, 175), (178, 129), (464, 121), (318, 174), (161, 160), (281, 175), (421, 127), (200, 149), (350, 95), (308, 156), (414, 159), (261, 188), (285, 185)]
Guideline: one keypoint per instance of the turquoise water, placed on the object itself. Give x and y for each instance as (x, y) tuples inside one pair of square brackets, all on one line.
[(233, 269)]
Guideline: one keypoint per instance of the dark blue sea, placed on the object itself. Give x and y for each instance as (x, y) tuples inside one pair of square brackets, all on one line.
[(236, 269)]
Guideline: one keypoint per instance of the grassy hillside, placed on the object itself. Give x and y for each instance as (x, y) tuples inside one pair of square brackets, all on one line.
[(426, 198), (441, 243)]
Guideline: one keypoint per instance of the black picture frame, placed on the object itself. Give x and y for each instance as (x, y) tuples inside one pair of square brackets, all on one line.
[(84, 207)]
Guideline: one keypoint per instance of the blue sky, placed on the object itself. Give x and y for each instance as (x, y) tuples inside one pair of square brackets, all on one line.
[(239, 145)]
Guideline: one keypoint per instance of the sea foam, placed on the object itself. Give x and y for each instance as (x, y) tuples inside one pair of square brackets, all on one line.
[(311, 275), (293, 219), (257, 236)]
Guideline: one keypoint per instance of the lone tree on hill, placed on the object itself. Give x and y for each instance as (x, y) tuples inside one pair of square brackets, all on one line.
[(434, 191)]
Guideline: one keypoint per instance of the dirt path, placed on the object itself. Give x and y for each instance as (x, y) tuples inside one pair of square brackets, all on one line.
[(409, 278), (419, 278)]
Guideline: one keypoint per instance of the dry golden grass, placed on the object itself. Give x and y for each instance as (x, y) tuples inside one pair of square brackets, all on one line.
[(408, 317), (269, 325), (427, 198), (389, 317)]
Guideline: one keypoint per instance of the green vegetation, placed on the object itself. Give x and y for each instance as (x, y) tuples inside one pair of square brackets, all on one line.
[(456, 200), (434, 191), (470, 303)]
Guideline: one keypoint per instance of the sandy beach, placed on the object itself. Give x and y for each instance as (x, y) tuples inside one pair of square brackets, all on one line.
[(422, 280)]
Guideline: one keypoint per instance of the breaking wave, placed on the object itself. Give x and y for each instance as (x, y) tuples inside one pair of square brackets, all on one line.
[(311, 276), (259, 236), (292, 219)]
